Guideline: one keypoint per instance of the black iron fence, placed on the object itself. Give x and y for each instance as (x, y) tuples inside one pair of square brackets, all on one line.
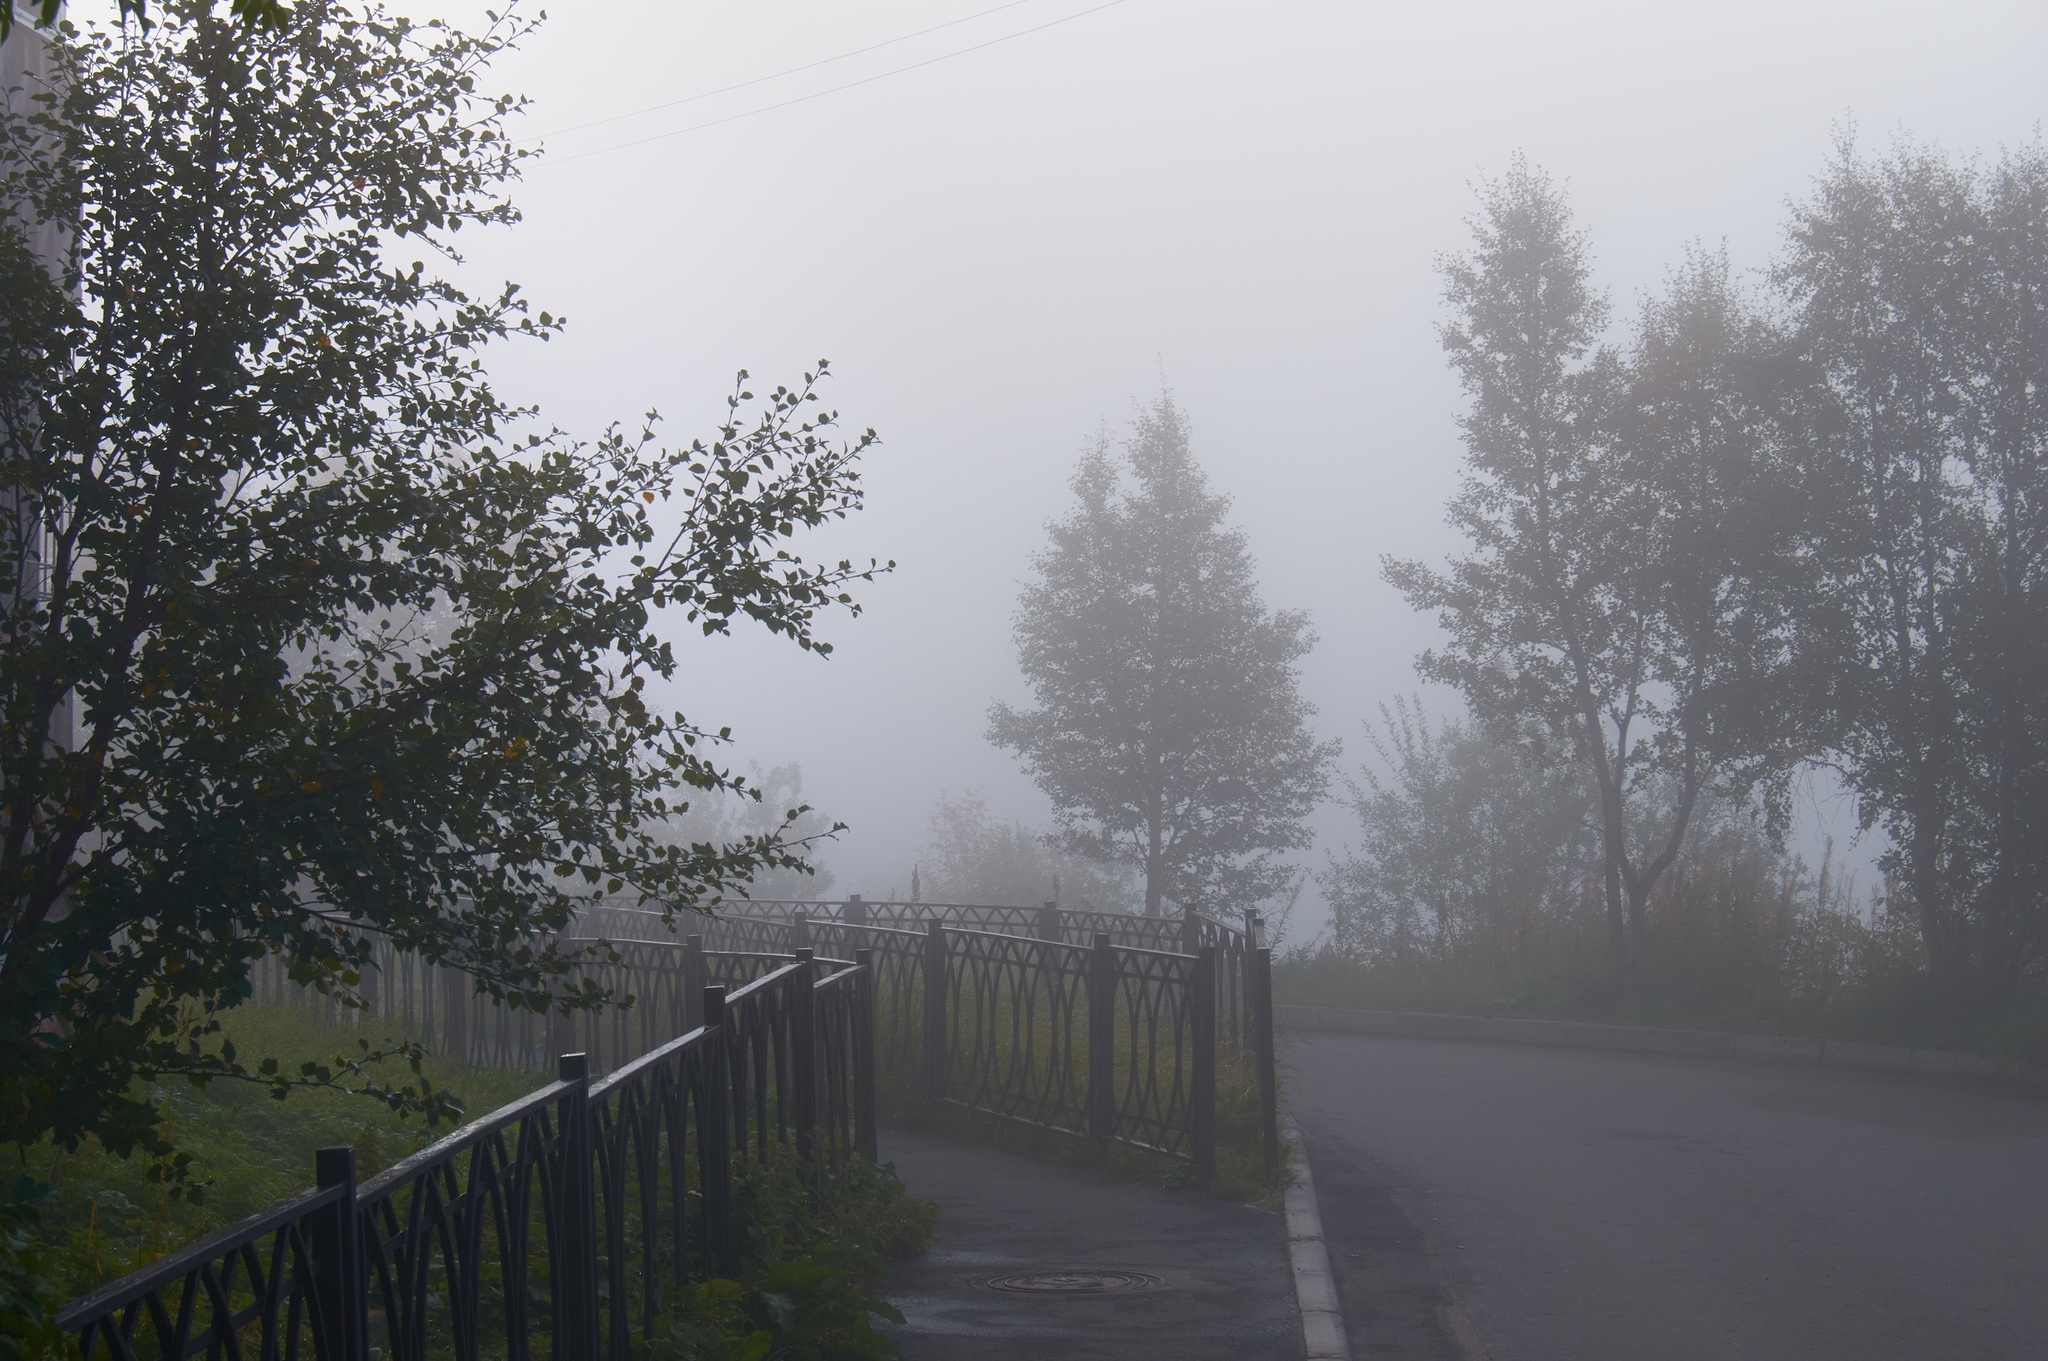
[(565, 1225), (568, 1223), (661, 982), (1101, 1037), (1095, 1023)]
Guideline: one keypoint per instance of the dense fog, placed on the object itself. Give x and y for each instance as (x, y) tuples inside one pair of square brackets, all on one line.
[(1005, 249)]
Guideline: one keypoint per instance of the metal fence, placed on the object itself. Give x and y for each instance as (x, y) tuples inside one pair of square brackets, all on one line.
[(565, 1225), (1104, 1037), (770, 926), (1037, 1020), (660, 982), (568, 1223)]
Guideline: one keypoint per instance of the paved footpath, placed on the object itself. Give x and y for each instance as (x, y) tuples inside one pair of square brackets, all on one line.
[(1527, 1204), (1213, 1277)]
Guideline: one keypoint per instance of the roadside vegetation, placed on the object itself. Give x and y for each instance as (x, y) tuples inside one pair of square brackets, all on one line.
[(1772, 525), (810, 1263)]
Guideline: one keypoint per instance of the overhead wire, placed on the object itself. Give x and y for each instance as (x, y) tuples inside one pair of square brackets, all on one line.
[(836, 89), (778, 75)]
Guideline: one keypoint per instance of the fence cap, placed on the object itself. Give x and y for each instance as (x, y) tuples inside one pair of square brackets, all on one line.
[(334, 1166)]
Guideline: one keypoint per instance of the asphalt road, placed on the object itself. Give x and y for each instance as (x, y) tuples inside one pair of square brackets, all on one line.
[(1531, 1204)]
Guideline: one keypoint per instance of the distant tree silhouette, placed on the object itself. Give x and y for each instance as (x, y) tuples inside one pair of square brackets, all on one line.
[(1169, 729)]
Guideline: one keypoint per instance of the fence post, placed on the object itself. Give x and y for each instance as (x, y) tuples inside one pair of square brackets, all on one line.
[(799, 931), (1102, 1038), (1261, 1006), (855, 913), (427, 1008), (372, 975), (714, 1140), (803, 1049), (1248, 987), (696, 975), (1190, 931), (455, 992), (576, 1311), (1050, 925), (338, 1262), (936, 1060), (1202, 1093), (864, 1057)]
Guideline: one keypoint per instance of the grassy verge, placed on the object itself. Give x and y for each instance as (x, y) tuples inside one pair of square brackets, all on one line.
[(111, 1215), (811, 1256), (811, 1259), (1898, 1007)]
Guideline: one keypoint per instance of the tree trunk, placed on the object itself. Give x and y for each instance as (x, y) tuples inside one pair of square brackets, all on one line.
[(1638, 936), (1617, 928), (1923, 874), (1155, 875)]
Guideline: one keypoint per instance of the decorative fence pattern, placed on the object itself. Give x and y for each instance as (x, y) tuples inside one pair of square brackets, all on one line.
[(1101, 1037), (758, 925), (563, 1225)]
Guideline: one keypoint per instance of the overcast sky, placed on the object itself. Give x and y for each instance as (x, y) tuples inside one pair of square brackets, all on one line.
[(1005, 248)]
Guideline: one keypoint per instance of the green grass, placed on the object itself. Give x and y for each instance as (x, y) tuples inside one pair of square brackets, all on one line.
[(247, 1150), (1895, 1005), (812, 1252)]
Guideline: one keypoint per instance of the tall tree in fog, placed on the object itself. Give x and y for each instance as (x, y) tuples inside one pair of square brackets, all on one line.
[(1169, 730), (1920, 286), (1618, 510)]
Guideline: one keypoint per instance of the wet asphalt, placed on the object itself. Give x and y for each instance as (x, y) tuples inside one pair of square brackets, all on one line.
[(1211, 1278), (1531, 1204)]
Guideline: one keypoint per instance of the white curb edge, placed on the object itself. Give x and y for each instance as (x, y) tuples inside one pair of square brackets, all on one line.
[(1323, 1335)]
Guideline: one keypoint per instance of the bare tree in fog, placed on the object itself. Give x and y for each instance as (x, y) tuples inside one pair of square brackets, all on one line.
[(1466, 843), (974, 857), (1170, 731), (768, 806)]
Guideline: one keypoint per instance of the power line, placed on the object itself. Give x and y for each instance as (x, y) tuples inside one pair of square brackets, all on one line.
[(778, 75), (836, 89)]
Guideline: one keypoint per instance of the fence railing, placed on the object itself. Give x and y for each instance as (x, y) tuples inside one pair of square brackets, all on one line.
[(442, 1009), (564, 1225), (1039, 1024), (1102, 1038)]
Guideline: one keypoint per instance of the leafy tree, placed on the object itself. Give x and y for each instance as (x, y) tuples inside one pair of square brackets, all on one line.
[(255, 455), (1622, 593), (256, 14), (1170, 732), (1919, 287)]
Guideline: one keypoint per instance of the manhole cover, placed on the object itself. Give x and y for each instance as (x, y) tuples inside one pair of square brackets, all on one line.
[(1072, 1282)]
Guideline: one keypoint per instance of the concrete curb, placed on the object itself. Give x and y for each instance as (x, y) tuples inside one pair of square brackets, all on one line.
[(1422, 1025), (1323, 1335)]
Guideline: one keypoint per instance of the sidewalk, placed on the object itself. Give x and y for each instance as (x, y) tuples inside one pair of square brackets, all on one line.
[(1212, 1278)]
